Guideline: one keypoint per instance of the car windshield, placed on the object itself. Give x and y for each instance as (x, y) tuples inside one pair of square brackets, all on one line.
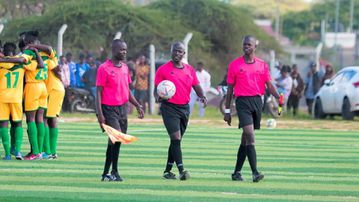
[(348, 75)]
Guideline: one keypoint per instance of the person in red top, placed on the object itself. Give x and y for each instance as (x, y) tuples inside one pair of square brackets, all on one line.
[(248, 77), (112, 81), (175, 111)]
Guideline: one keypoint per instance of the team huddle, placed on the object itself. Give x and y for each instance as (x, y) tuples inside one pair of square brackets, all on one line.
[(30, 83)]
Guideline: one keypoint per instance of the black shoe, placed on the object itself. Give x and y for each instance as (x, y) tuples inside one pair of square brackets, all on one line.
[(184, 175), (237, 176), (107, 178), (257, 177), (169, 175), (116, 177)]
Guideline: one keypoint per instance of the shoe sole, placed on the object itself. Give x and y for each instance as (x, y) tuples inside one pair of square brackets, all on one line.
[(169, 178), (259, 178)]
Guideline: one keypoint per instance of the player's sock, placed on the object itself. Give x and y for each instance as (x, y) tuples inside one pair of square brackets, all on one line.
[(177, 154), (170, 160), (252, 158), (54, 132), (12, 138), (47, 149), (4, 133), (115, 154), (108, 160), (40, 136), (32, 132), (18, 138), (241, 157)]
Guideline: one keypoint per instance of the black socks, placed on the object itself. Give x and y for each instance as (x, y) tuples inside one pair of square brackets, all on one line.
[(241, 157), (252, 158), (177, 153)]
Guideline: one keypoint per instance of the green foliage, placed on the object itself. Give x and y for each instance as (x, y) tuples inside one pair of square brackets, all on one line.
[(298, 26), (217, 28), (221, 24)]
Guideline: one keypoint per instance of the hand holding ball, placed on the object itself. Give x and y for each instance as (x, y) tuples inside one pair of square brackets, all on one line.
[(166, 89)]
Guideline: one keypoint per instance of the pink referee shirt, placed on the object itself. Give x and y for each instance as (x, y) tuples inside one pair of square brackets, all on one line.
[(248, 79), (114, 82), (183, 79)]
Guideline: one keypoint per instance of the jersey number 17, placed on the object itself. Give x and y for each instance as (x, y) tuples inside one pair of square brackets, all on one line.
[(9, 79)]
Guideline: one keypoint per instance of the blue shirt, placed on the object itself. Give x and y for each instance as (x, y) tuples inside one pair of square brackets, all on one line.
[(309, 93), (72, 70), (80, 71)]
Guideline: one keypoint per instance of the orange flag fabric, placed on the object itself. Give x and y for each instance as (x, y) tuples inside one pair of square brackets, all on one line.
[(118, 136)]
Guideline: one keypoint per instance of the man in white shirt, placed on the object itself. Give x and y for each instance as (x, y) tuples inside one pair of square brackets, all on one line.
[(284, 83), (204, 79)]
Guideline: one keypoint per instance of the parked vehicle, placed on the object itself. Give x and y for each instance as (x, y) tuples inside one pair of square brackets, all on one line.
[(80, 100), (339, 96)]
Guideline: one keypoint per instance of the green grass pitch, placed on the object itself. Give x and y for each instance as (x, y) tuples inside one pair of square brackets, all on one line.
[(299, 165)]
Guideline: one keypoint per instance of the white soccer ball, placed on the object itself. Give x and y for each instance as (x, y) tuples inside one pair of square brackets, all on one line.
[(271, 123), (166, 89)]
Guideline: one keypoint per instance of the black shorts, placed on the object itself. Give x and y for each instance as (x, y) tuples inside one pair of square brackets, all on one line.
[(115, 116), (175, 117), (249, 111)]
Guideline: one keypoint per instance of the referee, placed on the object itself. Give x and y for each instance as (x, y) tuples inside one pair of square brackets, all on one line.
[(112, 81), (248, 77), (175, 111)]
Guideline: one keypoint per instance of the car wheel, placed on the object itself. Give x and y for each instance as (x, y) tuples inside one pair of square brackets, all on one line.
[(318, 110), (222, 106), (78, 105), (346, 113)]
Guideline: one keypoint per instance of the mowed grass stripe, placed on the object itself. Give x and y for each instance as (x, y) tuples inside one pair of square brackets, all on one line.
[(299, 165)]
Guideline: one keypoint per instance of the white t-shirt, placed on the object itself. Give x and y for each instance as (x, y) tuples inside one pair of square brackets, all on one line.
[(204, 79)]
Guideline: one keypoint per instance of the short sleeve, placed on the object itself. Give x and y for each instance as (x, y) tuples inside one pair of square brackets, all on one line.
[(27, 57), (53, 54), (129, 75), (101, 77), (158, 76), (51, 64), (266, 75), (30, 54), (195, 81), (231, 76)]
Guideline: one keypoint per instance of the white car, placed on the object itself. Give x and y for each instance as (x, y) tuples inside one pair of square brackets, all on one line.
[(339, 95)]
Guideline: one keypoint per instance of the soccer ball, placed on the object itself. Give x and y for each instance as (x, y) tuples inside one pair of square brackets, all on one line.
[(271, 123), (166, 89)]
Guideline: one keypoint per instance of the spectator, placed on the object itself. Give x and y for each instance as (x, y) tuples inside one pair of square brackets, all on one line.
[(312, 85), (284, 82), (131, 67), (329, 73), (297, 90), (204, 79), (89, 77), (81, 68), (102, 55), (141, 85), (65, 71), (72, 69)]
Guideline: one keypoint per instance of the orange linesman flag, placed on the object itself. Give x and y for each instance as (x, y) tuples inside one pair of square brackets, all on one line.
[(118, 136)]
